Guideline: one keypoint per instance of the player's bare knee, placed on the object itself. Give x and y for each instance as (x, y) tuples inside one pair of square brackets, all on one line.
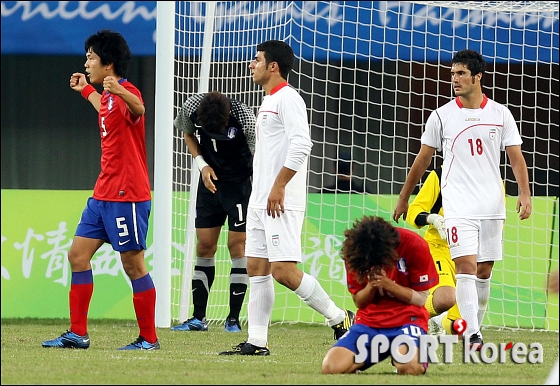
[(78, 262), (281, 277), (326, 368), (329, 367), (286, 278), (205, 249), (465, 265), (236, 249), (129, 268), (73, 258), (484, 269)]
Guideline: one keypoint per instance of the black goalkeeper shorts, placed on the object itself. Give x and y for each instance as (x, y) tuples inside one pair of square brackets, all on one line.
[(230, 200)]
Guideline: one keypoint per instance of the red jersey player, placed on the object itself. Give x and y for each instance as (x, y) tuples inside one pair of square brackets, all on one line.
[(119, 209), (389, 274)]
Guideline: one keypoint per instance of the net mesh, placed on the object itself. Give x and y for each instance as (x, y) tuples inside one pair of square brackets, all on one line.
[(371, 73)]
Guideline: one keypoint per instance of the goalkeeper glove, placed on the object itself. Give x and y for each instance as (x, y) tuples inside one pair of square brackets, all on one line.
[(439, 223)]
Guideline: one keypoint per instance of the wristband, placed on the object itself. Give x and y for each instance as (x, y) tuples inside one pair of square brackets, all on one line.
[(200, 162), (86, 91), (421, 219)]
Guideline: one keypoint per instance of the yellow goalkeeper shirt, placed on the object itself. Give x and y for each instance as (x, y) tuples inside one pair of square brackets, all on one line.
[(428, 200)]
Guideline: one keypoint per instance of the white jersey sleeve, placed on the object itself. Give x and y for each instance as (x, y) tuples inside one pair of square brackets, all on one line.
[(432, 131)]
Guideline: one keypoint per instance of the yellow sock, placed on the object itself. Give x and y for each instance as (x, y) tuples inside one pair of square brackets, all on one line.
[(452, 315), (430, 306), (446, 323)]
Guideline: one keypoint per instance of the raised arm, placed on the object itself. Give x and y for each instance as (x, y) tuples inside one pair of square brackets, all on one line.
[(79, 83), (134, 104)]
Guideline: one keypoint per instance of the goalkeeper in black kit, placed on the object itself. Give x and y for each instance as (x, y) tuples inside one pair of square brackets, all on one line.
[(224, 156)]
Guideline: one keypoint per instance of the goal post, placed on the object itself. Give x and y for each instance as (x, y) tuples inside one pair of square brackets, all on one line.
[(163, 159), (370, 73)]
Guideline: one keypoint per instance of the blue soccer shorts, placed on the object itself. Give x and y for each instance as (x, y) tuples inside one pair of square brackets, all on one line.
[(122, 224), (350, 340)]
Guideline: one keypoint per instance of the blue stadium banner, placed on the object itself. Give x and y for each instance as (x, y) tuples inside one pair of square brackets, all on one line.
[(355, 30), (61, 27)]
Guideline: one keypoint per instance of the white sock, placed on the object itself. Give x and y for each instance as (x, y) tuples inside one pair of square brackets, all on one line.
[(437, 319), (467, 301), (259, 309), (552, 378), (311, 292), (483, 291)]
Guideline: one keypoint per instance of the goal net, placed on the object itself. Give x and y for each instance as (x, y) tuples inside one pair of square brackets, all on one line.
[(371, 73)]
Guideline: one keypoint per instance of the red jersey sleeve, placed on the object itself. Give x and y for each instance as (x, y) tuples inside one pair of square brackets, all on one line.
[(422, 273)]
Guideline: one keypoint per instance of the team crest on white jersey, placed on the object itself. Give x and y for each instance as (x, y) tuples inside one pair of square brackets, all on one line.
[(263, 120), (275, 240), (492, 133), (232, 132), (110, 104), (401, 265)]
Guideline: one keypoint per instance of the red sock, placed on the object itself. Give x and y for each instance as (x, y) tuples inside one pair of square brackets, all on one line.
[(145, 308), (79, 299)]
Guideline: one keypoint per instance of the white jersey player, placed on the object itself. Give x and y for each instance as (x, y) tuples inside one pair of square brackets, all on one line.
[(472, 131), (277, 204)]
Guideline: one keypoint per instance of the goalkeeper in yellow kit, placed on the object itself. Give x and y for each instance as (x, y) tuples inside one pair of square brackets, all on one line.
[(426, 209)]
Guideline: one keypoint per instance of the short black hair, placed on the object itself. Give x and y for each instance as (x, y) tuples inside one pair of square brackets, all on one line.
[(279, 52), (111, 47), (472, 60), (213, 112)]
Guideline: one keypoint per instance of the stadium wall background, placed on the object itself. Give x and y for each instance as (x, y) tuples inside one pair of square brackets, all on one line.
[(50, 137)]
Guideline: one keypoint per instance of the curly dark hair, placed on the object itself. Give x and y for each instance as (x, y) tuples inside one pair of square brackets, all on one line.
[(213, 112), (370, 245)]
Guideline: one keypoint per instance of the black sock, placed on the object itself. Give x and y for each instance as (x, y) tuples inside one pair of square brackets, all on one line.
[(199, 291), (237, 292)]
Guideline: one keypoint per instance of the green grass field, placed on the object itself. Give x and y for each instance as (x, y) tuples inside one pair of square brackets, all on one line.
[(297, 351)]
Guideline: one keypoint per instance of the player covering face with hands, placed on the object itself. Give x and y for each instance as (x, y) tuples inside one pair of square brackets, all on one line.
[(389, 272)]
